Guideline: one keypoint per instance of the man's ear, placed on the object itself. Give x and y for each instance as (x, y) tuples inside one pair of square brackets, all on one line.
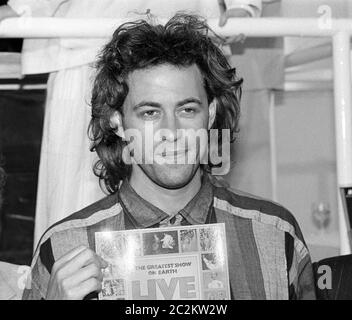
[(212, 113), (116, 124)]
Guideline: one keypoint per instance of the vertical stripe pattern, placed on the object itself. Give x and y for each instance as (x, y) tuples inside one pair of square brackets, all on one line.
[(271, 249)]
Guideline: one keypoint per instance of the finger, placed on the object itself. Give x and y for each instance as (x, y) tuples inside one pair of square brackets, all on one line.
[(84, 258), (241, 38), (104, 264), (238, 38), (222, 19), (67, 257), (87, 257), (222, 9), (237, 13), (231, 13), (222, 6), (85, 288), (90, 271)]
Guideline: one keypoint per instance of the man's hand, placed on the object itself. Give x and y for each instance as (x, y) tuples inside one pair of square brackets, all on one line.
[(75, 275), (7, 12), (226, 13)]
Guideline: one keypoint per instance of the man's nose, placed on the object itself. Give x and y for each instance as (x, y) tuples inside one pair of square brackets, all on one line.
[(170, 130)]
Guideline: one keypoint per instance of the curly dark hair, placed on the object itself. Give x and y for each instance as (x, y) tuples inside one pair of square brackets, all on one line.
[(183, 41)]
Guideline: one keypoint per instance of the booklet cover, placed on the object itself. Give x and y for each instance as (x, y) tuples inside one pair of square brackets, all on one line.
[(173, 263)]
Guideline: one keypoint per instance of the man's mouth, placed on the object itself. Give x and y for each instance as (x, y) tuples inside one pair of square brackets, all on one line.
[(173, 153)]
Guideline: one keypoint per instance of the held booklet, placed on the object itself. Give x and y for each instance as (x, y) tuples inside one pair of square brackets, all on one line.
[(173, 263)]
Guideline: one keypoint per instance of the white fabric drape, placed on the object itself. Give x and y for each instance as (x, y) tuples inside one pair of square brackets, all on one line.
[(66, 180)]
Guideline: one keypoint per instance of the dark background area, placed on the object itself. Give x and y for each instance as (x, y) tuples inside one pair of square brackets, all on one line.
[(21, 121), (10, 45)]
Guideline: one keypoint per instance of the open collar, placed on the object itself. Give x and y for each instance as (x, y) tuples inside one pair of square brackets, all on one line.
[(146, 215)]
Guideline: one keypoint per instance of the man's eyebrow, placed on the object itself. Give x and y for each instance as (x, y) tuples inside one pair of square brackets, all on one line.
[(147, 103), (189, 100), (158, 105)]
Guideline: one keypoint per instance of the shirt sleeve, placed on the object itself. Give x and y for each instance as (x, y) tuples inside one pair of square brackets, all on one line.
[(35, 8), (40, 273), (300, 270), (305, 287)]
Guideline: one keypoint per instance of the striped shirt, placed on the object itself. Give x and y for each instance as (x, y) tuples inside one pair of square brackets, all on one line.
[(267, 255)]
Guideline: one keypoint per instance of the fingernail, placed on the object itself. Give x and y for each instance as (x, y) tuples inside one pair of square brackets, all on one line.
[(222, 20), (105, 263)]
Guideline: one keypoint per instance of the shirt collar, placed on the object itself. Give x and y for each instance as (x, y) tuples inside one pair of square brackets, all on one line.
[(146, 215)]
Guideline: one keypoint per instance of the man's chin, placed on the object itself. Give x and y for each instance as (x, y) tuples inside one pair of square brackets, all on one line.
[(171, 176)]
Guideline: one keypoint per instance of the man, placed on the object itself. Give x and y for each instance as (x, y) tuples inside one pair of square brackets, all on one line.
[(172, 79), (65, 167)]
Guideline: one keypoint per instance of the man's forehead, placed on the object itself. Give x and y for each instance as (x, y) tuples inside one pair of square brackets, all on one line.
[(159, 80)]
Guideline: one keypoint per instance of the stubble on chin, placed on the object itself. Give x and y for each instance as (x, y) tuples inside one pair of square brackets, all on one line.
[(170, 176)]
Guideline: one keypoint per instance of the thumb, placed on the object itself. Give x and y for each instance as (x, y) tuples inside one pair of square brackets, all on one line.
[(223, 15), (222, 19), (103, 263)]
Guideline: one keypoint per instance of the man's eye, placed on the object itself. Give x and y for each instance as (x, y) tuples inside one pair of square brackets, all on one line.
[(150, 114), (188, 111)]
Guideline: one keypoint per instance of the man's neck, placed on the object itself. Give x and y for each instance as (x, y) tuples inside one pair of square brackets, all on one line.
[(170, 201)]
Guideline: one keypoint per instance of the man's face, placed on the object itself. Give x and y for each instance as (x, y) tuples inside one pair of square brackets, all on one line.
[(167, 98)]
